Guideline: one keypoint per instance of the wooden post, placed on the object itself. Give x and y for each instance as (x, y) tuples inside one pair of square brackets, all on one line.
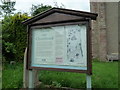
[(25, 72), (36, 78), (88, 80), (30, 78)]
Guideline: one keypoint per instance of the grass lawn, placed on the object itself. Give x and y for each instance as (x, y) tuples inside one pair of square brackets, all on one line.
[(12, 76), (105, 75)]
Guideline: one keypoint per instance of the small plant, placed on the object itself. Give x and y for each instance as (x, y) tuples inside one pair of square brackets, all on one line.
[(56, 84)]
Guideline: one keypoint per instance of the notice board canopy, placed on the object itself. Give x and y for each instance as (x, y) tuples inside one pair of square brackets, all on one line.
[(59, 39)]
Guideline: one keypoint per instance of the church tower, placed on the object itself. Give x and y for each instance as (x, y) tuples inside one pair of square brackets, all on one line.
[(104, 29)]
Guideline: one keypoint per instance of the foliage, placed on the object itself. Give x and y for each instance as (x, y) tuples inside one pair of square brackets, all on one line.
[(7, 8), (12, 76), (105, 75), (0, 11), (14, 36), (57, 6), (36, 9)]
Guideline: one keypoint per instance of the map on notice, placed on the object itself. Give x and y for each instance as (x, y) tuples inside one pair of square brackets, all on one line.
[(61, 45)]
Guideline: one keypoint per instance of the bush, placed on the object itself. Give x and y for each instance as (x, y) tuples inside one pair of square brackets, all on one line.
[(14, 37)]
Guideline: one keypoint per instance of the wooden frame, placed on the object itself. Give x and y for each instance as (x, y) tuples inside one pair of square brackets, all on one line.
[(89, 62)]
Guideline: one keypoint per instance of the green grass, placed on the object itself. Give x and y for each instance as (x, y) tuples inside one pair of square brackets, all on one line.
[(12, 76), (105, 75)]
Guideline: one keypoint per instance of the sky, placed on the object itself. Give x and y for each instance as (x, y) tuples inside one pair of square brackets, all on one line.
[(82, 5), (25, 5)]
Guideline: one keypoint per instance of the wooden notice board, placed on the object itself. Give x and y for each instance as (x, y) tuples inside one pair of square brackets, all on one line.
[(60, 39)]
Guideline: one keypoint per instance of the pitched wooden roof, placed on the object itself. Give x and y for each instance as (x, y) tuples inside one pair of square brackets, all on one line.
[(59, 14)]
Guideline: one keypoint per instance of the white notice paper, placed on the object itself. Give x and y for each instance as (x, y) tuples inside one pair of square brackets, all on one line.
[(60, 45), (43, 42), (76, 45)]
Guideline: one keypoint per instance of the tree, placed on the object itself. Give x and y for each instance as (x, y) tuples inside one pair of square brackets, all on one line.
[(14, 37), (7, 8), (56, 5), (36, 9)]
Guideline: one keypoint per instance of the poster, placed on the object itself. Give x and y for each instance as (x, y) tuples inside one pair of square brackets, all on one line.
[(61, 45), (76, 45), (43, 43)]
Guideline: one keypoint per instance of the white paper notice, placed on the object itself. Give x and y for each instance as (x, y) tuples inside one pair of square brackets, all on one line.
[(43, 43), (76, 45), (62, 45)]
